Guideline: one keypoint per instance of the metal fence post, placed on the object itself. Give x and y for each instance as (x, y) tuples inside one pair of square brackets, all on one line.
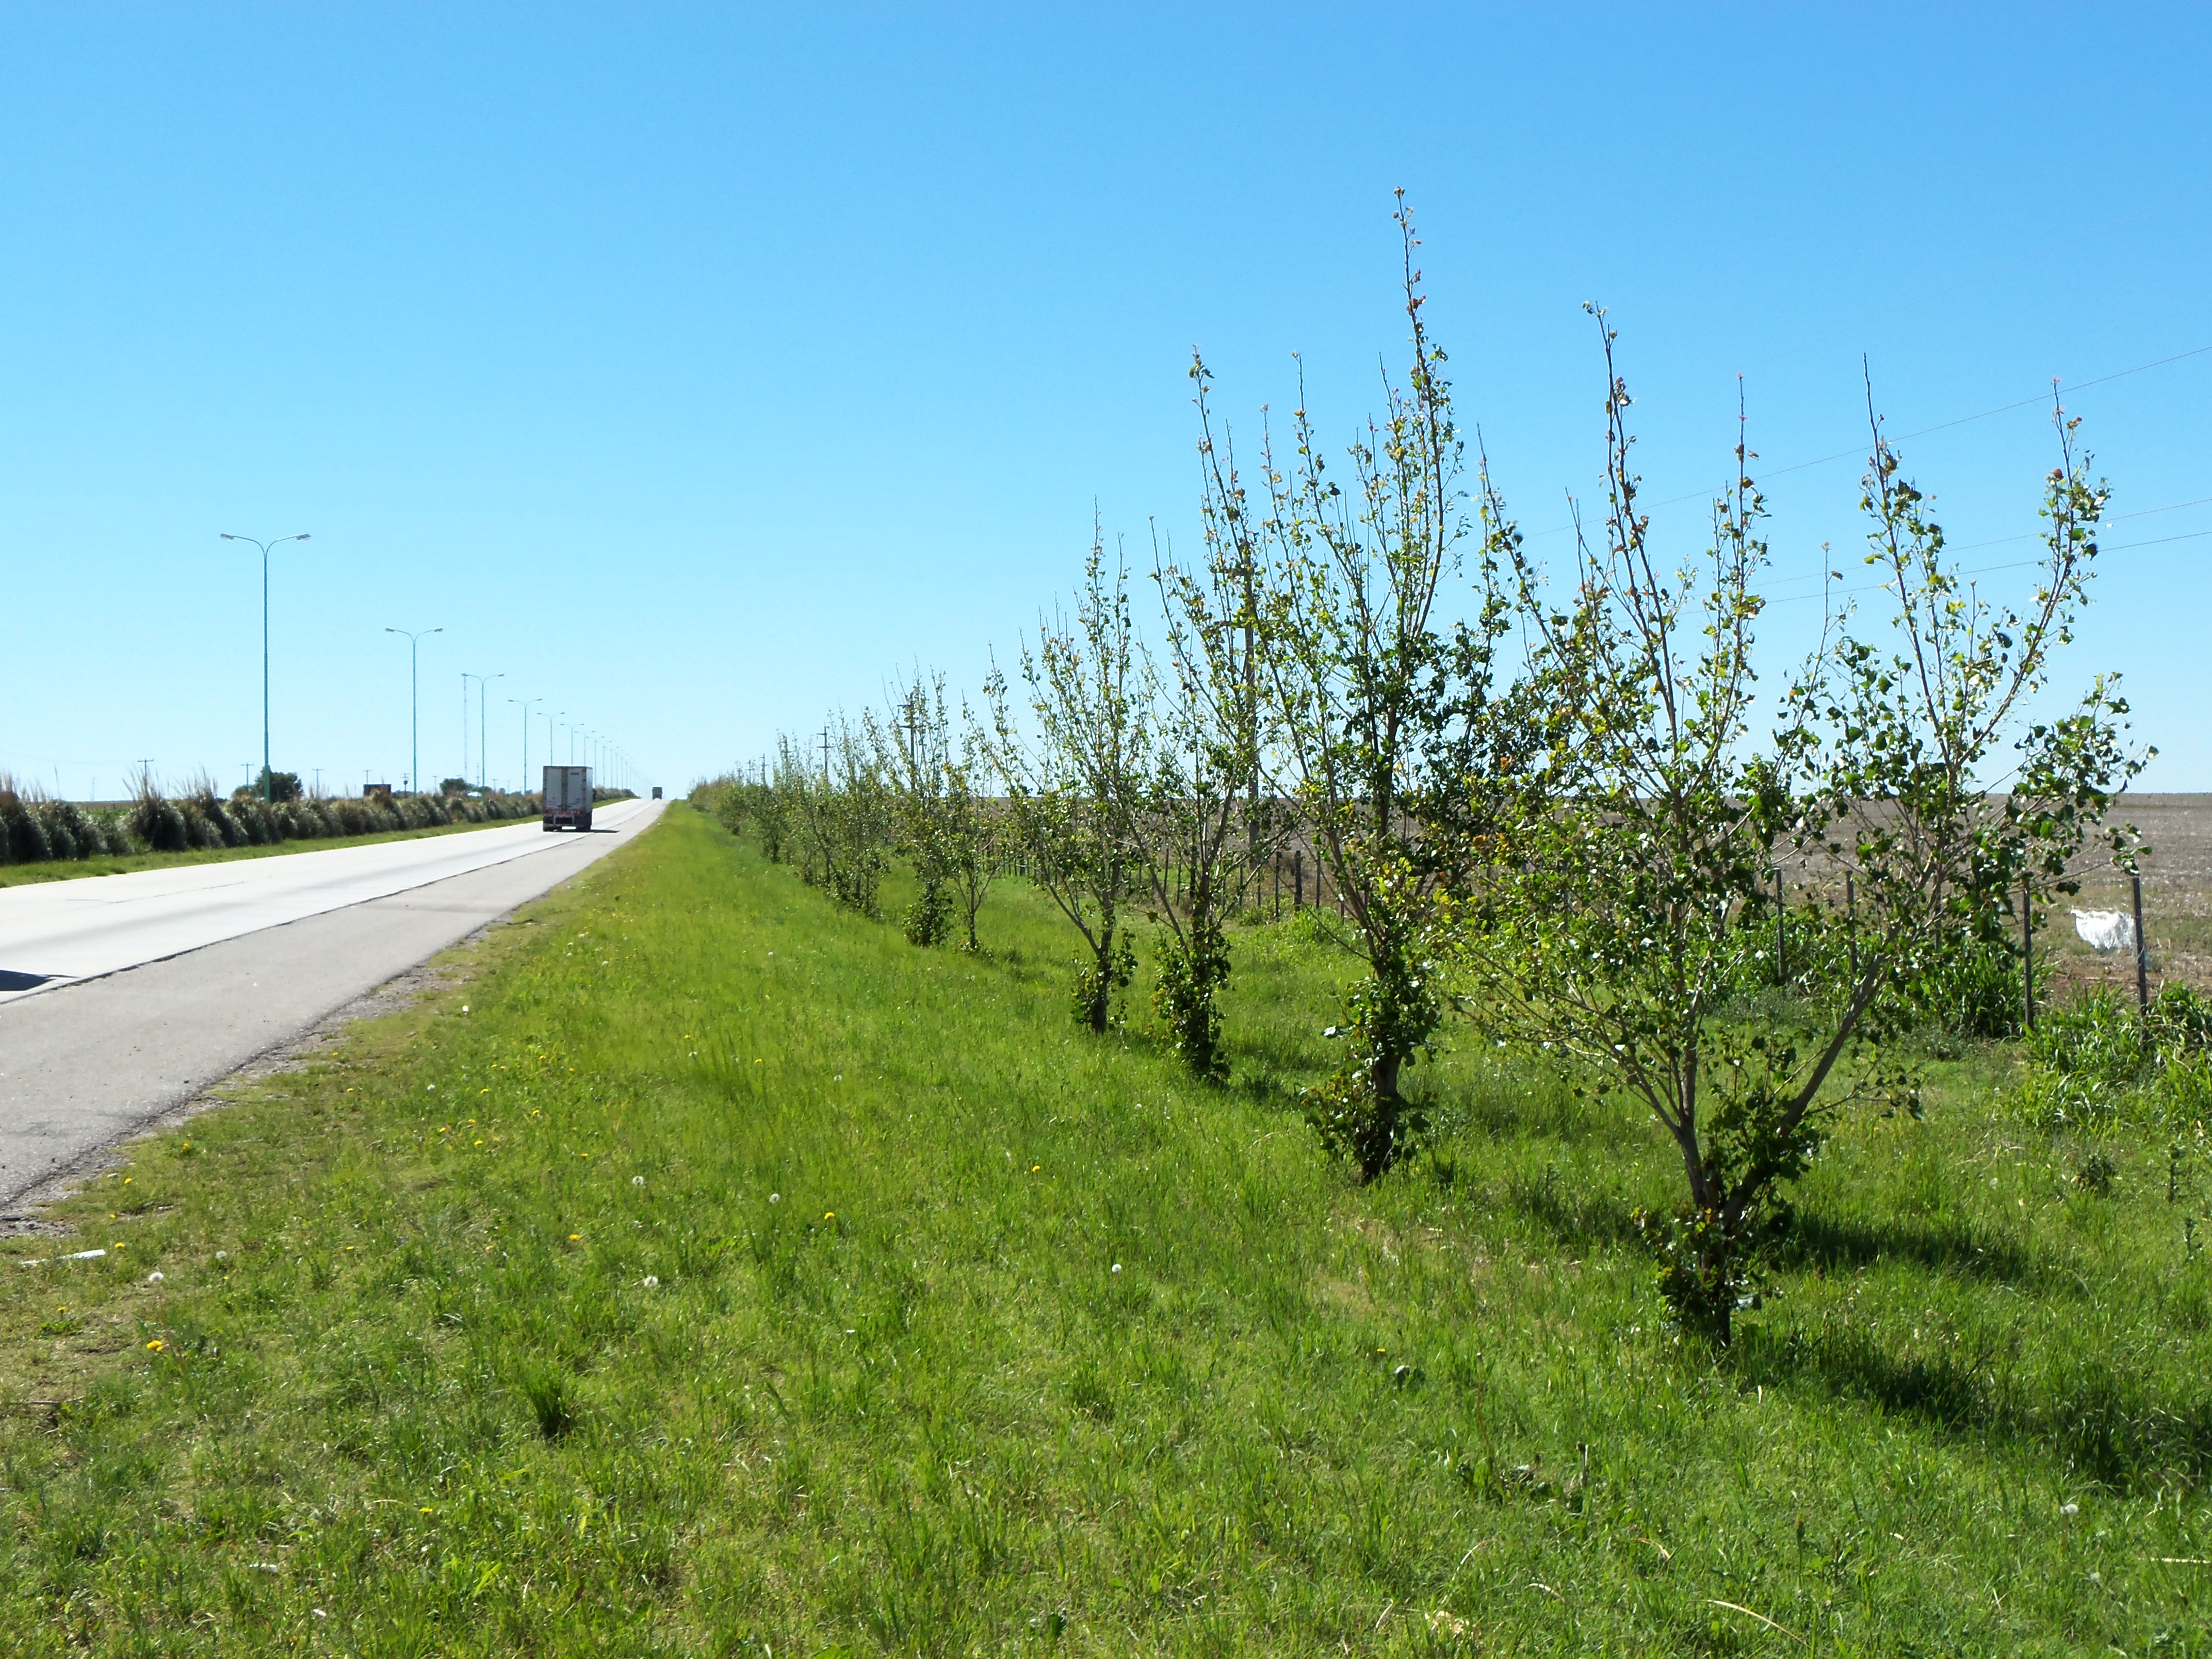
[(2143, 946), (1781, 939)]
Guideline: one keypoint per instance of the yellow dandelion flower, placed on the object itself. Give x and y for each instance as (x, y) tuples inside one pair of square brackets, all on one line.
[(575, 1237), (156, 1346), (830, 1215)]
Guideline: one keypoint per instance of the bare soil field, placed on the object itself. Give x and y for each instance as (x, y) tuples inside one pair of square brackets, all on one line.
[(2177, 898)]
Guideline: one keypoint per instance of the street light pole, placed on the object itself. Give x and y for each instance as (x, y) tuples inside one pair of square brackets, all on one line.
[(483, 723), (524, 702), (267, 780), (414, 708)]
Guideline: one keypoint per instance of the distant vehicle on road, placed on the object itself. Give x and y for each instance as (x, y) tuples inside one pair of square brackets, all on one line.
[(656, 792), (567, 798)]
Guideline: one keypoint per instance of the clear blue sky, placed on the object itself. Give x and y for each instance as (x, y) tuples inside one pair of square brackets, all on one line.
[(699, 367)]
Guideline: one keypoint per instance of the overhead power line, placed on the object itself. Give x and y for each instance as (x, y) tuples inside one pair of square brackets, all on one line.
[(2033, 535), (1940, 426), (1983, 570)]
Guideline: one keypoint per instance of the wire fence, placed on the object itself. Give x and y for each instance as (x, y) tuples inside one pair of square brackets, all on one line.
[(2176, 900)]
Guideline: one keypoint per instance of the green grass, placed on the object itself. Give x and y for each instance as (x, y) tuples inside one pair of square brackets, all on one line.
[(110, 864), (418, 1393)]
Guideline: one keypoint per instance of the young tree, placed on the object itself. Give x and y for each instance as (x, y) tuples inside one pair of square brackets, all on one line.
[(1205, 822), (914, 756), (1071, 801), (841, 811), (1387, 723), (1611, 921), (972, 824)]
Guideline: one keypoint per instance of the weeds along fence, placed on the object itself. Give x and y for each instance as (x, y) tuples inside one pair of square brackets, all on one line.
[(35, 828), (2122, 935)]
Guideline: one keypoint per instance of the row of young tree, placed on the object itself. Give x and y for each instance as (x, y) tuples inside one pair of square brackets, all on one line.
[(1550, 802)]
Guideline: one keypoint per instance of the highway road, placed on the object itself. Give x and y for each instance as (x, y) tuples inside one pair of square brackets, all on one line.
[(124, 997)]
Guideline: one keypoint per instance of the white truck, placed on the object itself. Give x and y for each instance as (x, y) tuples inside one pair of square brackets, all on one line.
[(567, 798)]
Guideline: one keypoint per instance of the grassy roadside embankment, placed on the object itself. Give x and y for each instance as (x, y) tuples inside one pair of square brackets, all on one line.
[(717, 1272), (117, 864)]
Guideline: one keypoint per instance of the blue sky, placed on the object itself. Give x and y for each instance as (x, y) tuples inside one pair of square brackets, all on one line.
[(699, 367)]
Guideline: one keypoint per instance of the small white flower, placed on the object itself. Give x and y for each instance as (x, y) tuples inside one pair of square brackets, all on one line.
[(222, 1255), (2069, 1509), (650, 1282), (465, 1008), (1117, 1266), (154, 1278), (430, 1085), (637, 1181), (775, 1198)]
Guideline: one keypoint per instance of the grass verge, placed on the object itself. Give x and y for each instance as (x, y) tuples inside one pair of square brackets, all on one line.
[(714, 1272), (108, 864)]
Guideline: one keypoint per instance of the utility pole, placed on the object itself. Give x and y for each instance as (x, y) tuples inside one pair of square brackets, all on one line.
[(414, 707), (267, 792)]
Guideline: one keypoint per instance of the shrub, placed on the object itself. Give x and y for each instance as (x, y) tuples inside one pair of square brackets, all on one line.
[(24, 838), (61, 837), (84, 832), (160, 823)]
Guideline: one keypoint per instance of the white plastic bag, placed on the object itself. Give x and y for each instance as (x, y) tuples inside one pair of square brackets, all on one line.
[(2105, 931)]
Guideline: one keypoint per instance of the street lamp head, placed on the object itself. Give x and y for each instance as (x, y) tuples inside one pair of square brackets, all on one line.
[(301, 536), (226, 535)]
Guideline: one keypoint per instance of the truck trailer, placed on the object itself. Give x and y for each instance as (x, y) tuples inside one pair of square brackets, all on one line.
[(567, 798)]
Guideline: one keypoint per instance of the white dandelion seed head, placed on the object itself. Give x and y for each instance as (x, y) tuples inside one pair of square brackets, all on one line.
[(1117, 1268), (637, 1181), (651, 1282), (154, 1278), (775, 1198)]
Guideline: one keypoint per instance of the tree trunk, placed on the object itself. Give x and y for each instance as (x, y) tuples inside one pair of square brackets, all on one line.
[(1383, 1074), (1102, 990)]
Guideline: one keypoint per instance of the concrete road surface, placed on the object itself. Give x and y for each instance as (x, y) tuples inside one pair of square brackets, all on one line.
[(132, 995)]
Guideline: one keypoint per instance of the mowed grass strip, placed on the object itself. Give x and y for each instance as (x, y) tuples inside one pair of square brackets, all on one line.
[(714, 1272)]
